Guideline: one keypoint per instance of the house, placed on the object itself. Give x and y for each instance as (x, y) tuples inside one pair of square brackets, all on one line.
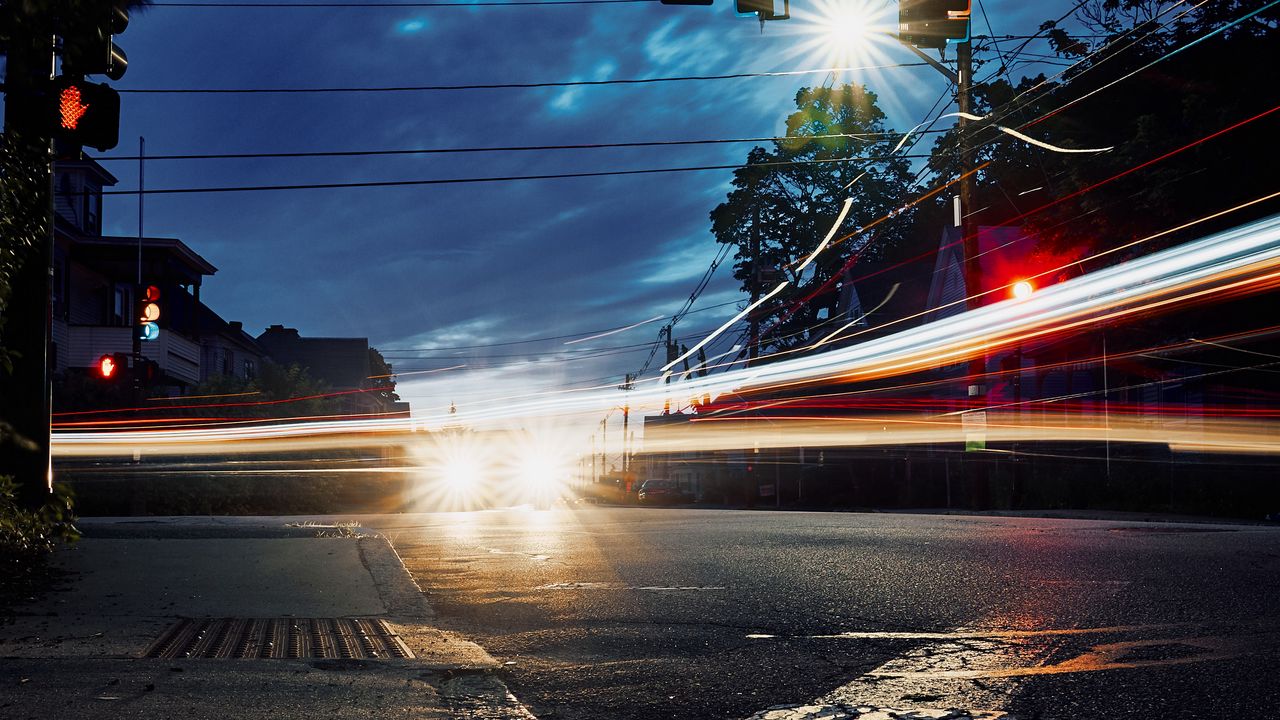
[(96, 284), (226, 349), (341, 363)]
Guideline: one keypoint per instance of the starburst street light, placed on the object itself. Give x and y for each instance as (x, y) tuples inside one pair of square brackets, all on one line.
[(847, 28)]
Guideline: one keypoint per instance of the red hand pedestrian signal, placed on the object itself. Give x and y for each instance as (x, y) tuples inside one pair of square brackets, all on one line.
[(70, 107), (107, 366), (83, 113)]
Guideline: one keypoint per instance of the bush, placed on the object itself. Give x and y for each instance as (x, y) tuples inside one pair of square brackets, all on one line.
[(27, 537)]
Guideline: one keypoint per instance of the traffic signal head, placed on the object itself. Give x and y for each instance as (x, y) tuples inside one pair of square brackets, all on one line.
[(149, 312), (112, 366), (753, 7), (933, 23), (85, 113), (87, 47)]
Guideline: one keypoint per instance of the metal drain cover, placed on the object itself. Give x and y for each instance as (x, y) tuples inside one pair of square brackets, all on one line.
[(281, 638)]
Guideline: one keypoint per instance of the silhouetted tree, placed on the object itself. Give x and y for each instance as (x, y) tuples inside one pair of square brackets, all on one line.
[(786, 209)]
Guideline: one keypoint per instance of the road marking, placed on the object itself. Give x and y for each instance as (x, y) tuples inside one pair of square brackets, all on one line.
[(1110, 656), (982, 668), (620, 586)]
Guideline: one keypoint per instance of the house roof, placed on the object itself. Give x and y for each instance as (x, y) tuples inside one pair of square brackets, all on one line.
[(210, 323), (341, 362)]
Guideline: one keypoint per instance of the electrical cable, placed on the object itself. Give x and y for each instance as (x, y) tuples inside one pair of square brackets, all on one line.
[(510, 86), (473, 180), (513, 148)]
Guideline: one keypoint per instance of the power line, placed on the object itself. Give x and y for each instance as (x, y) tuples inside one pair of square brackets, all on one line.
[(483, 3), (512, 148), (509, 86), (505, 178)]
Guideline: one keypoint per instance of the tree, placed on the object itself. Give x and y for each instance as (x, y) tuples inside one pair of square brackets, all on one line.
[(1188, 90), (279, 392), (381, 378), (786, 198)]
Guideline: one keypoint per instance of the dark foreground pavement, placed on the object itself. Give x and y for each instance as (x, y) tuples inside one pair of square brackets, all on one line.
[(78, 652), (645, 613)]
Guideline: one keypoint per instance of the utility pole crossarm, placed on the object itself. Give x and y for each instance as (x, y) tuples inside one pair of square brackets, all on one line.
[(950, 74)]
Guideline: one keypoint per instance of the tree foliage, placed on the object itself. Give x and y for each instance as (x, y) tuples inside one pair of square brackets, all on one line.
[(787, 209), (1153, 83), (381, 378), (278, 391)]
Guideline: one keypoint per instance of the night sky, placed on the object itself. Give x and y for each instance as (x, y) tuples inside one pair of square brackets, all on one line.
[(436, 267)]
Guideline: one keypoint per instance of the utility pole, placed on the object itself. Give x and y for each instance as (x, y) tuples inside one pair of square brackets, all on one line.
[(968, 234), (753, 346), (25, 392), (626, 414)]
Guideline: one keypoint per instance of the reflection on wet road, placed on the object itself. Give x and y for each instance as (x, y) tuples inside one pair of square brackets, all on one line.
[(635, 613)]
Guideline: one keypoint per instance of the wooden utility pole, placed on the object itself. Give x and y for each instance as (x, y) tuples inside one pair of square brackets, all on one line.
[(25, 392)]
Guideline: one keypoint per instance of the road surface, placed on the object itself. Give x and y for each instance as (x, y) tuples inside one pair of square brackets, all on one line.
[(679, 613)]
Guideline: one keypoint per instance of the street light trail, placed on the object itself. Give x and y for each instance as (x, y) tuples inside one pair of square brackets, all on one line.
[(1244, 259)]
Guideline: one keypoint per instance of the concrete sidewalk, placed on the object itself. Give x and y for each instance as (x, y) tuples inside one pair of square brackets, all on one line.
[(79, 651)]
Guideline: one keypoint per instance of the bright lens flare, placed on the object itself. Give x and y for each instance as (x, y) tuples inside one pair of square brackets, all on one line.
[(461, 473), (847, 26), (1022, 290)]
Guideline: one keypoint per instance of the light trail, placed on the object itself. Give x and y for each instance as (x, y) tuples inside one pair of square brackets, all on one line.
[(1244, 259), (655, 318)]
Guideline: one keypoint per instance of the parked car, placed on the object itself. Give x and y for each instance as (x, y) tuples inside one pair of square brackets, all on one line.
[(662, 492)]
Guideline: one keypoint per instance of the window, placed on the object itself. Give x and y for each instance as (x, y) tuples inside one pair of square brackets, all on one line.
[(228, 362), (93, 202), (118, 313), (250, 371)]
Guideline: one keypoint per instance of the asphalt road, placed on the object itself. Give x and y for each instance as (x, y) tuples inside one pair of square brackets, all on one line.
[(675, 613)]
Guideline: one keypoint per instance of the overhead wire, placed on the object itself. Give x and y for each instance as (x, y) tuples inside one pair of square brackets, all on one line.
[(486, 179), (513, 85), (478, 149)]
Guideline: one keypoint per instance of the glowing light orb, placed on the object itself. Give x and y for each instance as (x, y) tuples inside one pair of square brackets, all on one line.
[(1022, 290), (847, 26)]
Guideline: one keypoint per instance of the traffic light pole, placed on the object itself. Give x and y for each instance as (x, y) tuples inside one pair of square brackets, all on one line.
[(969, 238), (25, 393), (138, 288)]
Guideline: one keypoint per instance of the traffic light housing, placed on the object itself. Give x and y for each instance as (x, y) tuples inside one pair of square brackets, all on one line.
[(933, 23), (85, 113), (686, 2), (148, 325), (87, 41), (112, 366)]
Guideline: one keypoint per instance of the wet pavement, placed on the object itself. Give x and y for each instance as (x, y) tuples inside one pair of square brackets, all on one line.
[(675, 613)]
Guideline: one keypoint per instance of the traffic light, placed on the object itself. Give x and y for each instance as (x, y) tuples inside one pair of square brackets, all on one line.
[(686, 2), (85, 113), (112, 366), (87, 41), (752, 7), (933, 23), (148, 312)]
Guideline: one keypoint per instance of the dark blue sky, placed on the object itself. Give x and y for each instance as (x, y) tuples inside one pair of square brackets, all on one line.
[(449, 265)]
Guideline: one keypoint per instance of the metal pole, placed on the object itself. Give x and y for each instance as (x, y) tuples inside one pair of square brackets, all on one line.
[(1106, 406), (137, 289), (753, 349)]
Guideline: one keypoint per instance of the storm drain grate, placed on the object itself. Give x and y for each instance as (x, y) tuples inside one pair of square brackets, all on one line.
[(282, 638)]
